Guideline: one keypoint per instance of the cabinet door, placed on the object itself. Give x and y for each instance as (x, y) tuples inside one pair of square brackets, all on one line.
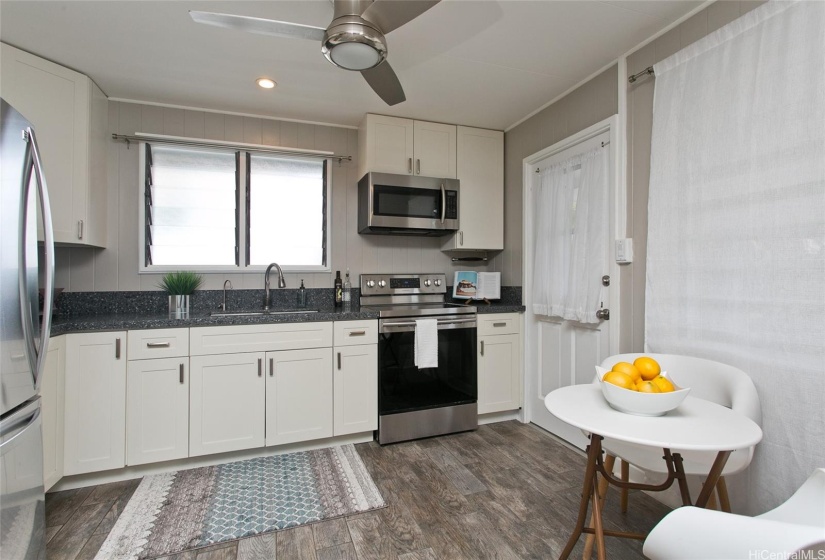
[(95, 414), (389, 147), (298, 395), (499, 371), (52, 393), (226, 403), (355, 386), (435, 150), (157, 410), (480, 159)]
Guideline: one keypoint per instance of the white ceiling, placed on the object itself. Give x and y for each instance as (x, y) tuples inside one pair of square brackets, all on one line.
[(473, 62)]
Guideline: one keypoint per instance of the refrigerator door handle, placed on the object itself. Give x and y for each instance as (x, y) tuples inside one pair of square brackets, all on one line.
[(37, 354), (18, 423)]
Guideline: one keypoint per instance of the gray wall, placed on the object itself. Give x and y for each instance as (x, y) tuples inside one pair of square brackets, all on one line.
[(116, 267)]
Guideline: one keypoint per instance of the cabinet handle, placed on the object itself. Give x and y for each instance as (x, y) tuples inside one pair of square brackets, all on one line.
[(461, 238), (409, 165), (357, 333), (482, 347), (271, 367), (339, 361), (158, 345), (418, 167), (260, 365), (181, 374), (117, 348), (80, 229), (499, 324)]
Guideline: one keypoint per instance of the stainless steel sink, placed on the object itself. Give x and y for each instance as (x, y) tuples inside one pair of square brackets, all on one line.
[(258, 313)]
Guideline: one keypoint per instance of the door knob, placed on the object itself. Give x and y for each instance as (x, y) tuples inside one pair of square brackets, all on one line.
[(603, 314)]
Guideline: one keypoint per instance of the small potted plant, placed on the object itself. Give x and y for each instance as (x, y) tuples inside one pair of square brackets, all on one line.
[(180, 285)]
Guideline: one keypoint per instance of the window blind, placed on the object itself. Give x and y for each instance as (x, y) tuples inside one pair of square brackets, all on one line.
[(190, 207)]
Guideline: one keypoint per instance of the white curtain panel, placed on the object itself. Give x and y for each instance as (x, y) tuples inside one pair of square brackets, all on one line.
[(571, 236), (736, 250)]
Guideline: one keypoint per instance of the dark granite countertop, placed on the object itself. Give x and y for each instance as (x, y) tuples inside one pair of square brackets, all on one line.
[(136, 321)]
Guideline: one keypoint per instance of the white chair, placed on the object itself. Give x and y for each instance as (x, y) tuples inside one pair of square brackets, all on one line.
[(690, 533), (709, 380)]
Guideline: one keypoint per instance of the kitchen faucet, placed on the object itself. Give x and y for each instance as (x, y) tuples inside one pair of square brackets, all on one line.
[(223, 305), (281, 283)]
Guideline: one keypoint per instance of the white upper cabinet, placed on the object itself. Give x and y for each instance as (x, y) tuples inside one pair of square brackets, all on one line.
[(407, 147), (480, 159), (70, 117)]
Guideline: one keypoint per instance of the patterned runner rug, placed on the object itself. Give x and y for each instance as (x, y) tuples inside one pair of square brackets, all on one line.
[(173, 512)]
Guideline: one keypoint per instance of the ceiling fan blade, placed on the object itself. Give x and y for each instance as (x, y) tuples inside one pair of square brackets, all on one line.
[(390, 14), (260, 25), (383, 80)]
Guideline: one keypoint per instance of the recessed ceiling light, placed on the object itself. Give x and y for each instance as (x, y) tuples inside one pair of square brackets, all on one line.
[(265, 83)]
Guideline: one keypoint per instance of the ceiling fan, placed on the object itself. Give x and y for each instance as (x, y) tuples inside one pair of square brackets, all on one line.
[(354, 40)]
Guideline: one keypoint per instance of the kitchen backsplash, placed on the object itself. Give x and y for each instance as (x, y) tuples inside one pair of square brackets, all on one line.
[(204, 301)]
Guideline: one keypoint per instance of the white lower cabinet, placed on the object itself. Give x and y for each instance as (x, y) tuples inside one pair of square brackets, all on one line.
[(157, 410), (355, 386), (95, 413), (298, 395), (226, 403), (52, 395), (499, 363)]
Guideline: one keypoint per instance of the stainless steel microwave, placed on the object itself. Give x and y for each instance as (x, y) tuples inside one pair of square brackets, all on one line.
[(407, 205)]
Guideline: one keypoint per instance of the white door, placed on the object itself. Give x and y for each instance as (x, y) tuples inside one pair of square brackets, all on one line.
[(95, 413), (561, 352), (499, 388), (435, 146), (355, 389), (157, 410), (226, 403), (298, 395)]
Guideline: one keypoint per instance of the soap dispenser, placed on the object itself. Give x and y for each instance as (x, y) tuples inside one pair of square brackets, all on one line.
[(302, 295)]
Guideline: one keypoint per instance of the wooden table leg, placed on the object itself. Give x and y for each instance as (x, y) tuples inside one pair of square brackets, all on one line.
[(594, 451), (676, 458), (609, 461), (713, 478), (597, 523)]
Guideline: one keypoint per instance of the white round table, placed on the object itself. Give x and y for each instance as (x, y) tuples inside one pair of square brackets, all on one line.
[(695, 425)]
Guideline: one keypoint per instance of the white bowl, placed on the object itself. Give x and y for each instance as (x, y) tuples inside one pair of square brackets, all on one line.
[(641, 404)]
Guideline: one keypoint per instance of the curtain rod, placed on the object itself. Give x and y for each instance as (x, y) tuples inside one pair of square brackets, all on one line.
[(194, 142), (637, 75)]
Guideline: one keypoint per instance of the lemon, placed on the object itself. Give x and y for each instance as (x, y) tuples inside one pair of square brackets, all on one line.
[(647, 387), (629, 369), (648, 367), (619, 379), (664, 384)]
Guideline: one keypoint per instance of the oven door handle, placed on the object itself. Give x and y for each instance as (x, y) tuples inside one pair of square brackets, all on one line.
[(410, 325)]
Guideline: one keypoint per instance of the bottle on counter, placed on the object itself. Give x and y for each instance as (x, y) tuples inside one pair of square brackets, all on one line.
[(339, 289), (346, 296), (302, 295)]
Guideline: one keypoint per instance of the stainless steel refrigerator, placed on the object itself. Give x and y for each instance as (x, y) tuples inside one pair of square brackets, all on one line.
[(24, 338)]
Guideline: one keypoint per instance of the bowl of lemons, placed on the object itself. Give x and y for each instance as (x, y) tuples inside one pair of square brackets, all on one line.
[(640, 388)]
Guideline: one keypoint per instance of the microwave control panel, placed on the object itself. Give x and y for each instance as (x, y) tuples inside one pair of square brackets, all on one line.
[(452, 205)]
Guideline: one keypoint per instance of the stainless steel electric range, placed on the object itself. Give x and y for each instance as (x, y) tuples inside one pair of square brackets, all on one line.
[(415, 403)]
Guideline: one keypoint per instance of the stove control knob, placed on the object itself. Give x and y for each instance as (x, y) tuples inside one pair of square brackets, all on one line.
[(381, 283), (370, 283), (427, 283), (437, 281)]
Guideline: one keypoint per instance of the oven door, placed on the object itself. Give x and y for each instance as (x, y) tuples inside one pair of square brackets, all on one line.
[(402, 387)]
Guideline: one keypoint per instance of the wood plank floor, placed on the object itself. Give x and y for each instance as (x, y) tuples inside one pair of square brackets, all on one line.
[(506, 491)]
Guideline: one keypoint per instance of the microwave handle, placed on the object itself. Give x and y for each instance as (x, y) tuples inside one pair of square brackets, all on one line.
[(443, 203)]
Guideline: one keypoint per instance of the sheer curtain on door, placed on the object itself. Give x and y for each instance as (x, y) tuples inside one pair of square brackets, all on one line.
[(736, 250), (571, 228)]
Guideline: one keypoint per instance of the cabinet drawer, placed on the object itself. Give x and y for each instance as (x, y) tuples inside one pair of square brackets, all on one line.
[(259, 338), (158, 343), (349, 333), (499, 323)]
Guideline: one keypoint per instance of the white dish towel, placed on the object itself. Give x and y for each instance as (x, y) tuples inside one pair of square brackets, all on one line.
[(426, 343)]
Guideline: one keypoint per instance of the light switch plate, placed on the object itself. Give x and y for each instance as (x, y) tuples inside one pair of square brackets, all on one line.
[(624, 250)]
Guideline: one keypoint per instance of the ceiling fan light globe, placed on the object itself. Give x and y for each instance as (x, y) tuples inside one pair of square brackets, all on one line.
[(352, 45)]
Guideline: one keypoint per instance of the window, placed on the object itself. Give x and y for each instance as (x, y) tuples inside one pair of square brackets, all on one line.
[(219, 210)]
